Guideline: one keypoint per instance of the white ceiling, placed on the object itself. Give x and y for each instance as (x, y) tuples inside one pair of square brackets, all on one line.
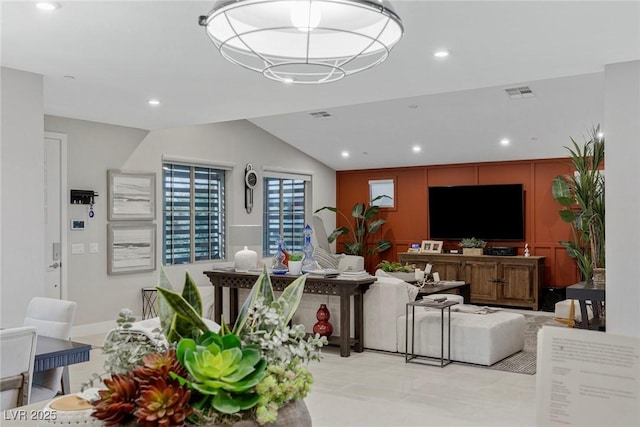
[(124, 53)]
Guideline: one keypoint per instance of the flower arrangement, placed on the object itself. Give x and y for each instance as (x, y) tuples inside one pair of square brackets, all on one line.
[(199, 376)]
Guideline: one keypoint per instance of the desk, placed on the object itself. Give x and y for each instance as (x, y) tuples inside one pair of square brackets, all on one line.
[(344, 288), (584, 292), (54, 353)]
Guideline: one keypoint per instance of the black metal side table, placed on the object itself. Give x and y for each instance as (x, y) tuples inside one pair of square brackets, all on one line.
[(149, 296), (428, 360)]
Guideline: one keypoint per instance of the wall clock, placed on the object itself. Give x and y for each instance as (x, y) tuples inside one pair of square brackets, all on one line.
[(250, 181)]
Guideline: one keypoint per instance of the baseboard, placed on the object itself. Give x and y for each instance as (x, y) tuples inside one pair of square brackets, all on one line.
[(93, 328)]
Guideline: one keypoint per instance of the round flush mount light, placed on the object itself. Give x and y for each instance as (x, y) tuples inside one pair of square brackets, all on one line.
[(153, 102), (345, 154), (416, 149), (441, 53), (48, 5), (505, 142), (303, 41)]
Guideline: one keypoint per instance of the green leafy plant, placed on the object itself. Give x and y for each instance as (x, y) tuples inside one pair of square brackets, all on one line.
[(245, 374), (295, 257), (472, 242), (581, 195), (396, 267), (365, 224)]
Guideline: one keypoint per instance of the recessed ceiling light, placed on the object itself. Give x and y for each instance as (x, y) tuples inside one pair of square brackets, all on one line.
[(600, 135), (345, 154), (441, 53), (48, 5), (416, 149), (505, 141), (153, 102)]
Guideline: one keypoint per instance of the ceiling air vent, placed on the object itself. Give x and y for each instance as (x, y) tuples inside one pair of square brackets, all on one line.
[(519, 92), (322, 115)]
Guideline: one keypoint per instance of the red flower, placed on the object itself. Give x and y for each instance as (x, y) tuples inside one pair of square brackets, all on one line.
[(117, 402), (162, 403)]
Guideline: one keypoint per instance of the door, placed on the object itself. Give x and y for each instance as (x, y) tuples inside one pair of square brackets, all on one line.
[(518, 283), (55, 215), (483, 277)]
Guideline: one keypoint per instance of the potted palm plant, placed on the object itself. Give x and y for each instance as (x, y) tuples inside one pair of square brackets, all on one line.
[(364, 224), (581, 195)]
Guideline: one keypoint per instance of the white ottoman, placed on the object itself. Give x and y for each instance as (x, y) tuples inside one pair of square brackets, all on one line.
[(483, 339), (563, 308)]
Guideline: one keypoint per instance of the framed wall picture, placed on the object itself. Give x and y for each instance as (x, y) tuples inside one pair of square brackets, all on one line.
[(431, 246), (131, 195), (131, 248), (382, 193)]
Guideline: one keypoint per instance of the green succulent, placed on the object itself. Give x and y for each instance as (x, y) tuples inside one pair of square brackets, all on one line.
[(222, 370), (472, 243)]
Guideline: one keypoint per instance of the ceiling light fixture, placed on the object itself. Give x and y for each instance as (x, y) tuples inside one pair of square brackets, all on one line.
[(416, 149), (442, 53), (304, 41), (48, 5), (505, 141), (153, 102), (345, 154)]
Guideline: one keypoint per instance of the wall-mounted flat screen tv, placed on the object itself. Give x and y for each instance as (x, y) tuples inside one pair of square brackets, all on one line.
[(488, 212)]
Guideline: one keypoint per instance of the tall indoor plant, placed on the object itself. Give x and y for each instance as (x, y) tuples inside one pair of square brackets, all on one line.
[(364, 225), (581, 195)]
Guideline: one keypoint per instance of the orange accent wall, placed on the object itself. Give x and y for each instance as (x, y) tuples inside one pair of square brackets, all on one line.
[(407, 222)]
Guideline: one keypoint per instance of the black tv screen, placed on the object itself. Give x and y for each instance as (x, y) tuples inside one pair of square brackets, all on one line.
[(488, 212)]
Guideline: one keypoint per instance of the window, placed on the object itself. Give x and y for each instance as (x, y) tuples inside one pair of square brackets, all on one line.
[(193, 214), (284, 213)]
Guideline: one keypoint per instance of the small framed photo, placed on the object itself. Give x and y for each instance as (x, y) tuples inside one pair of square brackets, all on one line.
[(132, 196), (131, 248), (431, 246), (414, 248)]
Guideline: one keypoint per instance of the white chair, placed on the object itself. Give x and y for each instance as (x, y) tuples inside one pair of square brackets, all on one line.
[(52, 318), (17, 352)]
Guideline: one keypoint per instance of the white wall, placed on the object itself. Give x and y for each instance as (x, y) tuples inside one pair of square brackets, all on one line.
[(622, 130), (22, 191), (93, 148)]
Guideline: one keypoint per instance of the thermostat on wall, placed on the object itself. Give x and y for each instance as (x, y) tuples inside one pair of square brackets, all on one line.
[(77, 224)]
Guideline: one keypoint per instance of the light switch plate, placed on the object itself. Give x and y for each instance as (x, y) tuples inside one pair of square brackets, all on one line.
[(93, 248), (77, 248)]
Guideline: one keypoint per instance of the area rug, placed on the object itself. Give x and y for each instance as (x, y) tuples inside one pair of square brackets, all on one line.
[(524, 362)]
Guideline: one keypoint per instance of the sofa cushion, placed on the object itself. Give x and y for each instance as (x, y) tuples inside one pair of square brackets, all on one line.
[(325, 259)]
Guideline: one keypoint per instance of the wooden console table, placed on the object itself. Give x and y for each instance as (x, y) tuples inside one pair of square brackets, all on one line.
[(502, 280), (344, 288)]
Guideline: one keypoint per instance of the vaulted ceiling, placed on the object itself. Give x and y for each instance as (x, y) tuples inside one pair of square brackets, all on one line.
[(102, 61)]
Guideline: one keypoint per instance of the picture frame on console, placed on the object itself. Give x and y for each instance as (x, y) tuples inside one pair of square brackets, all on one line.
[(431, 246)]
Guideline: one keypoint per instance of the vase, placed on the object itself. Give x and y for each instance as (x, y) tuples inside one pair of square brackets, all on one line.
[(295, 267), (473, 251), (598, 276), (323, 327), (245, 259), (293, 414), (308, 263)]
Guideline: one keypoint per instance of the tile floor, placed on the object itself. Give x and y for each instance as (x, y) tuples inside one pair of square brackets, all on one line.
[(380, 389)]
